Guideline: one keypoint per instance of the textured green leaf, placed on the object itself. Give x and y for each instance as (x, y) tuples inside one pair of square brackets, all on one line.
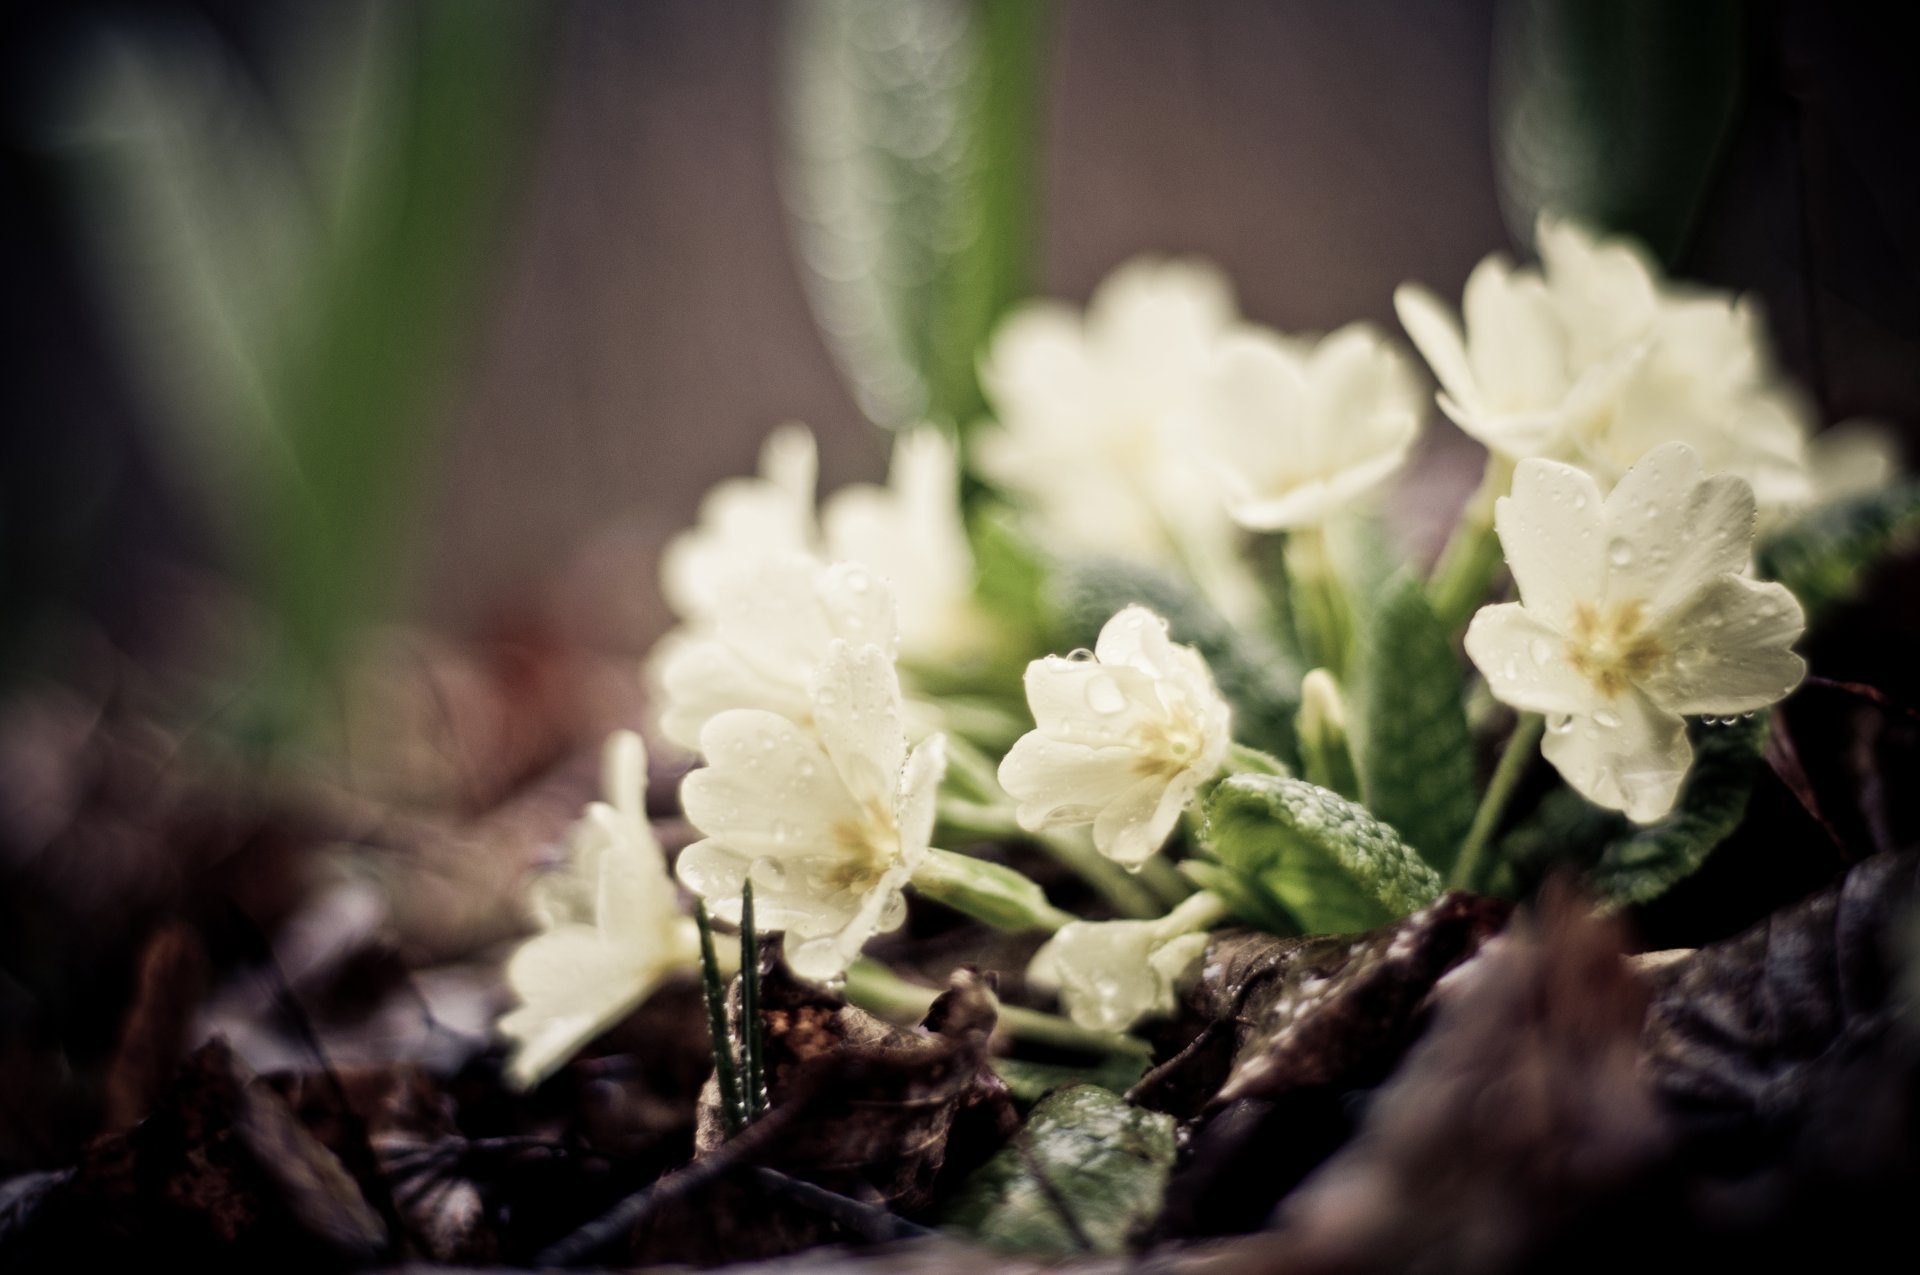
[(1086, 1174), (1415, 751), (910, 132), (1613, 111), (1334, 867), (1826, 556), (1646, 862), (1261, 683)]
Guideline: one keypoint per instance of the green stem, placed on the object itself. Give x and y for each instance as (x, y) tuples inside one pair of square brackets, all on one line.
[(1464, 575), (716, 995), (1122, 891), (990, 893), (878, 990), (1323, 617), (1165, 881), (1467, 869)]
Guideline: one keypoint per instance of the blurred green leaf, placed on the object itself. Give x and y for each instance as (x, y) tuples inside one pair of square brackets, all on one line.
[(1415, 750), (1028, 1082), (298, 262), (1613, 111), (1826, 556), (1085, 1175), (911, 129), (1334, 867), (1261, 683)]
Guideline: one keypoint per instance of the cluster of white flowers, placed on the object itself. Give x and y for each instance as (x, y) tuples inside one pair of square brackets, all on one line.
[(1595, 359)]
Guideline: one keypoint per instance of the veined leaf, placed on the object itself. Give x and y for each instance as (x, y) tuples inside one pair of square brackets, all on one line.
[(1415, 750), (1085, 1174), (1261, 683), (1646, 862), (1826, 556), (1334, 867)]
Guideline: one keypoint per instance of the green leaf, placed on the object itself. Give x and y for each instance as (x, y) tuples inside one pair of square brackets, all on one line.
[(1028, 1082), (1085, 1175), (1613, 111), (1415, 751), (910, 129), (1826, 556), (1261, 683), (1646, 862), (1334, 867)]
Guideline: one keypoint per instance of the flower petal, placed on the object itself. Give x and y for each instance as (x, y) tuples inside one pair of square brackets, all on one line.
[(1132, 827), (919, 791), (1514, 340), (856, 713), (1671, 532), (1057, 783), (1629, 756), (1525, 662), (1550, 528), (702, 677), (1728, 649), (1436, 334), (1087, 702), (768, 789)]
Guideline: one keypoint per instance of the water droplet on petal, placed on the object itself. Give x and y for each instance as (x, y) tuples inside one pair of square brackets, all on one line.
[(1081, 655), (1560, 723), (1620, 553), (768, 873), (1608, 718), (1541, 650), (894, 915)]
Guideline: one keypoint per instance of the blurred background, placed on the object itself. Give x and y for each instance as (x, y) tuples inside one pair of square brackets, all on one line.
[(441, 317)]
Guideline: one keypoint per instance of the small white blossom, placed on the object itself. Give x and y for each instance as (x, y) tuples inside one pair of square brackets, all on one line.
[(911, 533), (1094, 432), (769, 629), (743, 522), (612, 929), (1123, 737), (1854, 458), (1112, 974), (1634, 613), (1300, 429), (1596, 359), (829, 822)]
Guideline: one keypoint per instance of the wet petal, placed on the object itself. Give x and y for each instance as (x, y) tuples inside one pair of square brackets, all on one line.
[(1087, 702), (1628, 756), (1729, 649), (856, 712), (1672, 532), (1059, 783), (1551, 531), (768, 789), (1132, 827), (1436, 334), (1525, 662)]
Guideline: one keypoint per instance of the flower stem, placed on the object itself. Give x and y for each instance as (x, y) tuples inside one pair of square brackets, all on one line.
[(878, 990), (716, 994), (991, 893), (1160, 876), (1471, 559), (1323, 618), (1467, 869)]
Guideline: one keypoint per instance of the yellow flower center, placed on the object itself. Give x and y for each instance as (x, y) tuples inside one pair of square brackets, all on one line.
[(1164, 747), (869, 845), (1610, 647)]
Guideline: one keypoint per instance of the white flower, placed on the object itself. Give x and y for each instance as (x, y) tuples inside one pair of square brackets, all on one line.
[(769, 629), (1112, 974), (1300, 429), (1854, 458), (1634, 612), (612, 928), (829, 822), (743, 522), (1093, 412), (1122, 739), (910, 532), (1596, 359)]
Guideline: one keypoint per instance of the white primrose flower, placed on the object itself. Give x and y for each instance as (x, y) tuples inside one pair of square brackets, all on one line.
[(612, 929), (829, 822), (743, 522), (1112, 974), (1300, 429), (1123, 737), (769, 629), (1596, 359), (910, 531), (1092, 410), (1634, 612)]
